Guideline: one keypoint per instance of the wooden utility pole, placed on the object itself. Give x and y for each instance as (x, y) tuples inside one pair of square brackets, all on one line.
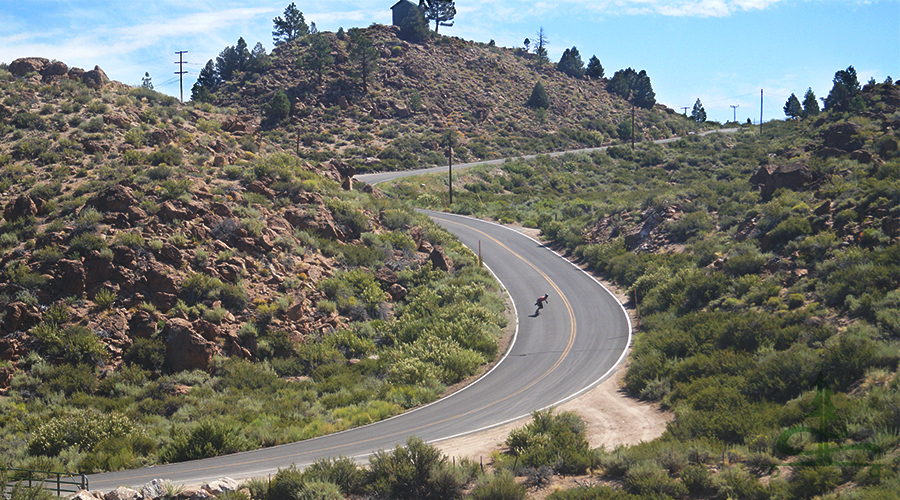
[(181, 72), (760, 111), (450, 161), (632, 125)]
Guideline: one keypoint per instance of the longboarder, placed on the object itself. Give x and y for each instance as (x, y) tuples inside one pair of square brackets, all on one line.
[(540, 303)]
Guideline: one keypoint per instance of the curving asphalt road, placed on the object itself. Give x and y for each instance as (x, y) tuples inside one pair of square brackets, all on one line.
[(580, 337)]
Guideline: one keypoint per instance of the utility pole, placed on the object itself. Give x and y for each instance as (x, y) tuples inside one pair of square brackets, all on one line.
[(734, 109), (632, 125), (685, 108), (181, 72), (450, 161), (760, 111)]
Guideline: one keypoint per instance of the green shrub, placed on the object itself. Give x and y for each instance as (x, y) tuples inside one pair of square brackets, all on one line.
[(148, 353), (105, 298), (558, 441), (499, 486), (85, 243), (169, 155), (83, 430), (74, 344), (204, 440), (648, 479), (341, 471), (407, 471)]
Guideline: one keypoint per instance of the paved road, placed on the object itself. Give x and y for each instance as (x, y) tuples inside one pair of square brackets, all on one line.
[(573, 345), (582, 334), (380, 177)]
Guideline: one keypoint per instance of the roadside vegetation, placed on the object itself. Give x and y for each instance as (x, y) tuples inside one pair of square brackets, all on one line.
[(760, 312)]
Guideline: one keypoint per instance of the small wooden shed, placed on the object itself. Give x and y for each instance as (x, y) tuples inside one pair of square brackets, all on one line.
[(400, 9)]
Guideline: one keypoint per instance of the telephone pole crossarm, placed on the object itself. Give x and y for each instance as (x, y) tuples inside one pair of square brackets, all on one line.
[(181, 72)]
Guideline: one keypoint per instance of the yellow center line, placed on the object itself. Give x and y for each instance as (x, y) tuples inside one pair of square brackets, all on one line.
[(408, 431)]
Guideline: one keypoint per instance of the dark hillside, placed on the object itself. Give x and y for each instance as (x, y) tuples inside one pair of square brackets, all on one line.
[(419, 90)]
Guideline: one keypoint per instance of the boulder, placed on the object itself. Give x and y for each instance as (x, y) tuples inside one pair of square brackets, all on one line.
[(95, 78), (843, 136), (397, 292), (75, 73), (142, 324), (26, 65), (221, 486), (86, 495), (19, 316), (770, 178), (386, 276), (69, 277), (185, 348), (116, 198), (54, 71), (161, 137), (122, 493), (157, 488), (439, 259), (22, 206)]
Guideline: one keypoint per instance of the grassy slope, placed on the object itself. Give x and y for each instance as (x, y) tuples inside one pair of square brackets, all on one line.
[(746, 301)]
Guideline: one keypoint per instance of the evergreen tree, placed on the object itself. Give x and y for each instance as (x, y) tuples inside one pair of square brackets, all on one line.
[(318, 58), (414, 26), (527, 44), (810, 104), (845, 88), (279, 109), (291, 27), (698, 114), (441, 12), (146, 82), (792, 107), (570, 63), (259, 61), (232, 60), (208, 78), (199, 93), (363, 55), (594, 68), (540, 48), (539, 97), (636, 86)]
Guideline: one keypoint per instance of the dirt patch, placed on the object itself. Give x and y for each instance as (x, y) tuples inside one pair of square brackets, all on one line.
[(613, 418)]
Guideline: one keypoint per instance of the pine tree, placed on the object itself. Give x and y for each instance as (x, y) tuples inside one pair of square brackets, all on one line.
[(594, 68), (318, 58), (363, 55), (441, 12), (844, 90), (279, 109), (414, 26), (540, 48), (259, 60), (810, 104), (291, 27), (539, 97), (570, 63), (698, 114), (792, 107), (208, 77), (146, 82), (629, 84)]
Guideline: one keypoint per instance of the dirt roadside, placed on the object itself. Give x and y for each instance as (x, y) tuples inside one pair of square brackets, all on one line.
[(612, 417)]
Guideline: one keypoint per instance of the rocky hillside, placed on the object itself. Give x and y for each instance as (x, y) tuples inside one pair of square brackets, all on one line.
[(132, 213), (420, 90)]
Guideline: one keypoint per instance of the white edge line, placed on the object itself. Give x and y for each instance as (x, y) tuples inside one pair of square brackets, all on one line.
[(573, 395)]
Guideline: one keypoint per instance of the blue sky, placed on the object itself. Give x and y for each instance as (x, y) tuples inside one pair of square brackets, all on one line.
[(720, 51)]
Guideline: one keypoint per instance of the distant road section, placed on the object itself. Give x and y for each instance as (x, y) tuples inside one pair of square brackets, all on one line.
[(380, 177)]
